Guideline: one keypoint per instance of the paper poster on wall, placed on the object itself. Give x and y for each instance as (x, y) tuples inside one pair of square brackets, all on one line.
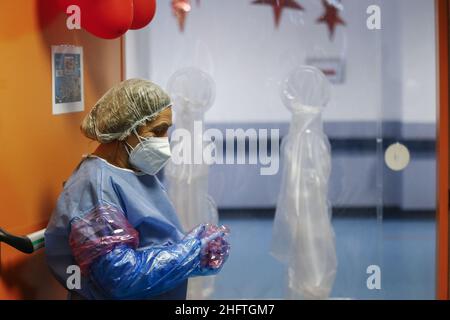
[(67, 79)]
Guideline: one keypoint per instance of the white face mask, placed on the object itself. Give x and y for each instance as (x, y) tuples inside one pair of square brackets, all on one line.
[(150, 155)]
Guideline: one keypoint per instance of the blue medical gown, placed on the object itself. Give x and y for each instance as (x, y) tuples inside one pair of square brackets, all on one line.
[(145, 203)]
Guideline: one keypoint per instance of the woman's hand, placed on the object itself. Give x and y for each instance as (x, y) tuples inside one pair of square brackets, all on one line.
[(215, 236), (214, 247)]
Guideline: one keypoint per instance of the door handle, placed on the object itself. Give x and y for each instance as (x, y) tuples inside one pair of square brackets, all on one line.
[(26, 244)]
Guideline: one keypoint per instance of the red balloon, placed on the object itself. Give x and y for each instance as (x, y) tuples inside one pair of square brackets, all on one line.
[(63, 4), (144, 11), (106, 19)]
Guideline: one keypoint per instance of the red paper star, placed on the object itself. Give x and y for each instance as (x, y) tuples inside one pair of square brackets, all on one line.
[(180, 9), (331, 16), (278, 6)]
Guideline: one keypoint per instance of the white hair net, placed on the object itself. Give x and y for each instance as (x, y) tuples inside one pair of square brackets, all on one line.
[(123, 108)]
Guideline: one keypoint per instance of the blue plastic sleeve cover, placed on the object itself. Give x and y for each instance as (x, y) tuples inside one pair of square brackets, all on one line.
[(125, 273), (105, 239)]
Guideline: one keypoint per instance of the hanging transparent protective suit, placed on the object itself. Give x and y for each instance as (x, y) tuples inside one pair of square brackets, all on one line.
[(192, 92), (303, 236)]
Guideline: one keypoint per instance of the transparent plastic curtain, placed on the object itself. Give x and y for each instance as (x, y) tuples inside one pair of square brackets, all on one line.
[(303, 237), (373, 66), (192, 92)]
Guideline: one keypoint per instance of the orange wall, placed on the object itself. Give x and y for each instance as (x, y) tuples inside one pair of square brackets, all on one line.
[(442, 218), (38, 150)]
